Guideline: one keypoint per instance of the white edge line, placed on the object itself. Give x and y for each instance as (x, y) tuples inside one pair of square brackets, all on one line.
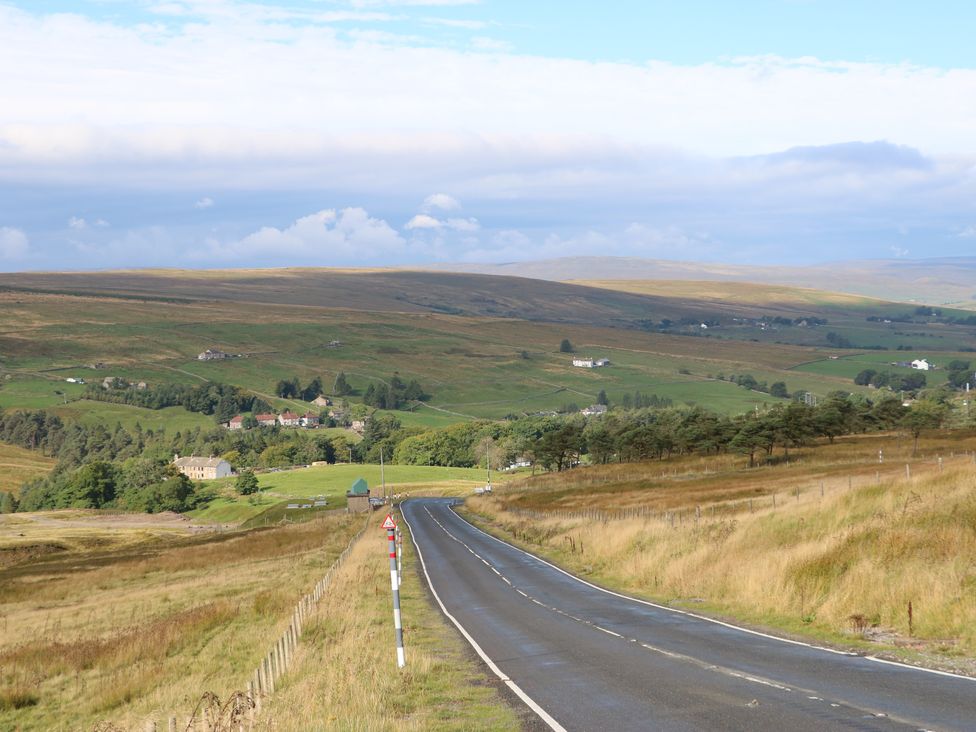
[(713, 620), (529, 701)]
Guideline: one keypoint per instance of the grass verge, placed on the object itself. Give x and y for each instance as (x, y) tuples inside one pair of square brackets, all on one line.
[(345, 677)]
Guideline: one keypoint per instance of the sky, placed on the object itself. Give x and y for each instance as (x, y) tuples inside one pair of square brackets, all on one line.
[(219, 133)]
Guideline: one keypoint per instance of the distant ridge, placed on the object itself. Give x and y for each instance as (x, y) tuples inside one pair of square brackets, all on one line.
[(942, 281)]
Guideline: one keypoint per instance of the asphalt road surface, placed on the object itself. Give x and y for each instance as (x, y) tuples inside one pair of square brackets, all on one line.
[(587, 659)]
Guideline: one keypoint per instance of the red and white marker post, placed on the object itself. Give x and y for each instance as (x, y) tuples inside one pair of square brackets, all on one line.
[(390, 525)]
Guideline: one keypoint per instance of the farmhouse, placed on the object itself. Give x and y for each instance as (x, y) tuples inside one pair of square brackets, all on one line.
[(359, 425), (321, 401), (289, 419), (594, 410), (590, 363), (236, 423), (201, 468), (212, 354), (266, 420), (921, 364), (309, 420)]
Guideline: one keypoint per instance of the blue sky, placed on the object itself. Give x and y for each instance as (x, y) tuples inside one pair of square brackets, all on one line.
[(224, 133)]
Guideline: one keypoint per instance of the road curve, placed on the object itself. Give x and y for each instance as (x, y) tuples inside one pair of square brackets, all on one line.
[(587, 659)]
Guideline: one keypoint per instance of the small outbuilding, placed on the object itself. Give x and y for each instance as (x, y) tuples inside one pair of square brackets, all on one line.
[(357, 499)]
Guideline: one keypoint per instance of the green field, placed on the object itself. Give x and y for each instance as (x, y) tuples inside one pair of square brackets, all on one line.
[(332, 482)]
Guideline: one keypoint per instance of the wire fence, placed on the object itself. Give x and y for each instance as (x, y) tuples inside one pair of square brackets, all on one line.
[(801, 493), (239, 711)]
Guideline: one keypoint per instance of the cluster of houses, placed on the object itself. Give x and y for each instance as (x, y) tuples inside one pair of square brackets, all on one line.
[(285, 419), (590, 363)]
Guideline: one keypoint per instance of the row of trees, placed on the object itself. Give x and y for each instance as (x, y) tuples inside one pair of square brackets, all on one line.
[(894, 381), (146, 454), (292, 388), (223, 401), (97, 467), (396, 394)]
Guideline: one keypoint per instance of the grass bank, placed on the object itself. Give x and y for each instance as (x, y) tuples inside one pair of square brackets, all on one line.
[(345, 676), (139, 629)]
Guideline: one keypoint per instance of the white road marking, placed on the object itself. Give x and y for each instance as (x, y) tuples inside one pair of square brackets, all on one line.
[(529, 701), (707, 619)]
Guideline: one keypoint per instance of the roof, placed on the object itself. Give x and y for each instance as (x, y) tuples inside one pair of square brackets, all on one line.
[(359, 488), (310, 415), (288, 415), (260, 417), (238, 418), (198, 462)]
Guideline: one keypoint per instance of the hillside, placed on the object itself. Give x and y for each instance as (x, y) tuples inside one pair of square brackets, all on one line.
[(150, 326), (947, 281)]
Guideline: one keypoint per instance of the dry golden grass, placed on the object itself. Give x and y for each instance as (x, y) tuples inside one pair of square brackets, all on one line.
[(141, 629), (748, 294), (808, 566), (345, 675), (18, 465)]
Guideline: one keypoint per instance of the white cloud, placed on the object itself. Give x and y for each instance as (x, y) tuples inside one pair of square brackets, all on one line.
[(102, 223), (441, 201), (205, 202), (302, 105), (468, 224), (968, 232), (13, 243), (899, 252), (78, 223), (328, 236), (423, 221)]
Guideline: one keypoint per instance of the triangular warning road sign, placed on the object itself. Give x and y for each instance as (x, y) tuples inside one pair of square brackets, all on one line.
[(389, 523)]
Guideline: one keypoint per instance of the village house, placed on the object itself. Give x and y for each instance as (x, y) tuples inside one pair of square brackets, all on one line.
[(212, 354), (289, 419), (921, 364), (590, 363), (321, 401), (358, 425), (236, 423), (266, 420), (201, 468), (594, 410), (309, 420)]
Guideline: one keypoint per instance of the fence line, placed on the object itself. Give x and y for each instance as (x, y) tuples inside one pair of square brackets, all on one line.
[(241, 708), (677, 518)]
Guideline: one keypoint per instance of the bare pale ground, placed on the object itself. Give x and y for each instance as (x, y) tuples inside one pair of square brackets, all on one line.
[(812, 566)]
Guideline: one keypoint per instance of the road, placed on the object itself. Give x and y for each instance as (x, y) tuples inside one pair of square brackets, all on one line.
[(587, 659)]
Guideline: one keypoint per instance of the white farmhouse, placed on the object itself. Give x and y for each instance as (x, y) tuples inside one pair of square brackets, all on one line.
[(921, 364)]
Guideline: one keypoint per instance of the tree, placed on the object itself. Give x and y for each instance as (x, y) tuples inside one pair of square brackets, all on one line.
[(341, 387), (778, 389), (247, 483), (313, 390), (601, 398), (565, 346), (923, 415), (8, 503)]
